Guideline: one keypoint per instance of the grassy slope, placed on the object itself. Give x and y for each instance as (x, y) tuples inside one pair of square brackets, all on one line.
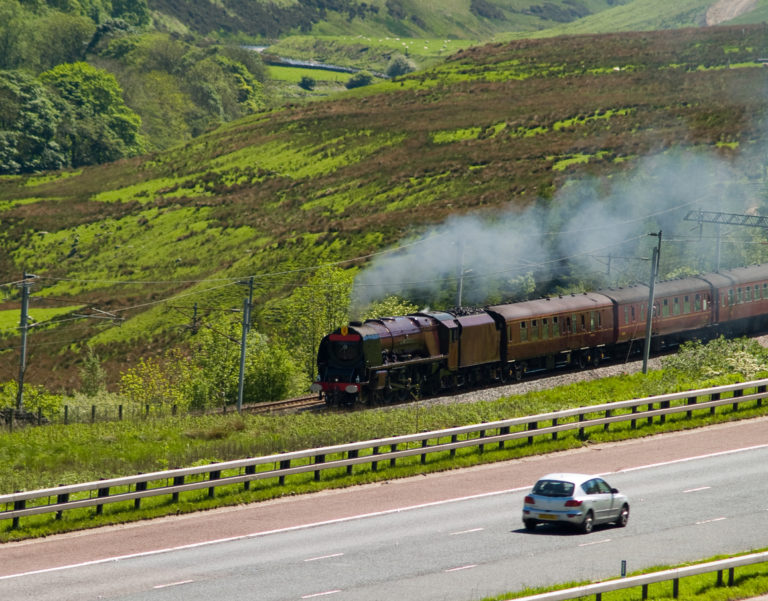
[(331, 180)]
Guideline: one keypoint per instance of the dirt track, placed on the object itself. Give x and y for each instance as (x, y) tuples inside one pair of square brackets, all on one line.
[(725, 10)]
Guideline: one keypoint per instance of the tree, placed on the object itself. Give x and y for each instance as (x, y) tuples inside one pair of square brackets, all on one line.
[(359, 80), (28, 126), (96, 125), (399, 65), (315, 309), (307, 83), (92, 375), (388, 307)]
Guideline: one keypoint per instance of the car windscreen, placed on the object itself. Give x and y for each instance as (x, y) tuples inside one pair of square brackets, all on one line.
[(553, 488)]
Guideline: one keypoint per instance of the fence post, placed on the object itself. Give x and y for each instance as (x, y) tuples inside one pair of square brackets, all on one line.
[(61, 498), (375, 464), (715, 397), (454, 438), (351, 455), (66, 414), (214, 475), (392, 449), (120, 412), (760, 390), (102, 492), (250, 470), (691, 401), (608, 413), (93, 413), (140, 486), (581, 430), (17, 505), (736, 394), (554, 434), (284, 465), (532, 426), (318, 459), (177, 481), (503, 431), (633, 423)]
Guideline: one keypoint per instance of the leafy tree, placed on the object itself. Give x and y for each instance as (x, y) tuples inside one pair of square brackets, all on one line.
[(161, 383), (390, 306), (60, 38), (359, 80), (314, 310), (399, 65), (307, 83), (92, 375), (36, 398), (96, 124), (28, 126)]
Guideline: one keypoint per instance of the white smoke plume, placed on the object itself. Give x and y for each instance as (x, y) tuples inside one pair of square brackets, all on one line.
[(587, 222)]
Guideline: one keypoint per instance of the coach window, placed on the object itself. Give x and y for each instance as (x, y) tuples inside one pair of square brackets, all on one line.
[(757, 293), (555, 327), (583, 323), (544, 328), (686, 304), (626, 315), (568, 325), (740, 295), (676, 306), (523, 332), (632, 312), (697, 302), (665, 308), (534, 329), (765, 290)]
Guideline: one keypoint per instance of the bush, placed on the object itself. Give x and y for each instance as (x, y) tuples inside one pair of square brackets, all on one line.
[(359, 80)]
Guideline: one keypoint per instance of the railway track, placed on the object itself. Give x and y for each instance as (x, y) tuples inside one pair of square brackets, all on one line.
[(302, 403)]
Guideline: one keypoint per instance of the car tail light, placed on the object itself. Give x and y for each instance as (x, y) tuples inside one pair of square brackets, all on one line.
[(530, 501), (573, 503)]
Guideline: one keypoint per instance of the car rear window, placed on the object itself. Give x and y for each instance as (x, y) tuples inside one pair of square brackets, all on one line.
[(553, 488)]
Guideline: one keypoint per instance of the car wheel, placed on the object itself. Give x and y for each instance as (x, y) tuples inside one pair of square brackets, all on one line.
[(623, 517), (529, 524), (588, 523)]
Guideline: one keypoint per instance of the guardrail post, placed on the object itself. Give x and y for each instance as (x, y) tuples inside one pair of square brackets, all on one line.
[(715, 397), (481, 445), (675, 588), (532, 426), (375, 464), (102, 492), (250, 470), (598, 596), (731, 572), (503, 431), (554, 434), (691, 401), (351, 455), (581, 430), (454, 438), (284, 465), (664, 405), (424, 443), (177, 481), (608, 413), (318, 459), (760, 390), (140, 486), (62, 498), (633, 423), (736, 394), (392, 449), (719, 578), (17, 505), (214, 475), (645, 592), (650, 417)]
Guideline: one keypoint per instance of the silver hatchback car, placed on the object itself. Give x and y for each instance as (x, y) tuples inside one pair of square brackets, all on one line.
[(578, 499)]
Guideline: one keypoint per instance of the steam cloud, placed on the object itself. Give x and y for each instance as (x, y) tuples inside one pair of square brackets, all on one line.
[(587, 221)]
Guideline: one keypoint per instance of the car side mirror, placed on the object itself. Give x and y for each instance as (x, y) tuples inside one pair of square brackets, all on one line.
[(615, 490)]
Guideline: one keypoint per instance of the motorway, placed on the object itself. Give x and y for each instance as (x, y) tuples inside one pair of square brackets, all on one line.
[(455, 536)]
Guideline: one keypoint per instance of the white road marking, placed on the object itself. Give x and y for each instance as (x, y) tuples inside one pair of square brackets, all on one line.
[(180, 582), (697, 489), (710, 521), (333, 592), (324, 557), (466, 531), (597, 542), (469, 567), (353, 517)]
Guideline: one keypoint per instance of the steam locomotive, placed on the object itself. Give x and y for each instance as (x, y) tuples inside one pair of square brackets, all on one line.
[(394, 359)]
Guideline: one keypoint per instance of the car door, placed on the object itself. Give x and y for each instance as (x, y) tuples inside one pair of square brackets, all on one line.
[(600, 498)]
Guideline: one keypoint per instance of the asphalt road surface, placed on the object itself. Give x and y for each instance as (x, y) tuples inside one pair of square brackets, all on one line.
[(455, 536)]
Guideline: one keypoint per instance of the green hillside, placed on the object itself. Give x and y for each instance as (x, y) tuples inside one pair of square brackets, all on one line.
[(561, 155)]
